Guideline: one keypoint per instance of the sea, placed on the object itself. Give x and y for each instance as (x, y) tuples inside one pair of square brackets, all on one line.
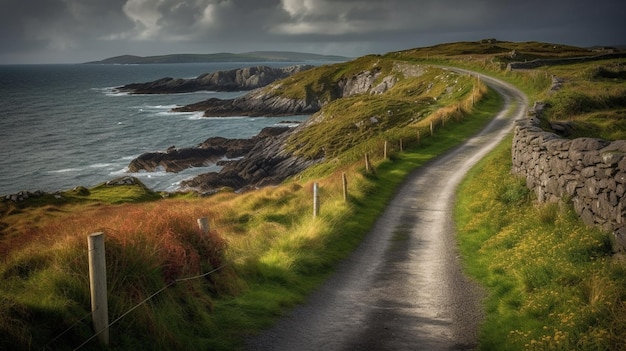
[(65, 125)]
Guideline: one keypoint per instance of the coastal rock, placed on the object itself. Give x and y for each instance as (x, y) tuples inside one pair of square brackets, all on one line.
[(126, 180), (208, 152), (268, 163), (232, 80), (253, 105), (23, 195), (269, 101)]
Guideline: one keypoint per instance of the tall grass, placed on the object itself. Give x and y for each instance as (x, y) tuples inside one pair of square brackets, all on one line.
[(553, 283), (45, 286)]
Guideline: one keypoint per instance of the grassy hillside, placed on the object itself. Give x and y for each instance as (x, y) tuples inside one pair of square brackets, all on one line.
[(589, 96), (172, 287), (264, 252)]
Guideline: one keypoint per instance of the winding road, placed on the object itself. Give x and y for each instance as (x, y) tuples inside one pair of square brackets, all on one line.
[(403, 287)]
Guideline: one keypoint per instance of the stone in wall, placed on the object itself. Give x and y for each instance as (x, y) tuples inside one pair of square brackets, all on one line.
[(588, 171)]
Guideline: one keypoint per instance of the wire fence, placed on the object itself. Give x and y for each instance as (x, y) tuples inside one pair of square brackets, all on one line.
[(146, 300), (220, 223), (217, 223)]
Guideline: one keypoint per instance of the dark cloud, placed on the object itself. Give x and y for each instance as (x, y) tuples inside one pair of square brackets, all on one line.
[(81, 30)]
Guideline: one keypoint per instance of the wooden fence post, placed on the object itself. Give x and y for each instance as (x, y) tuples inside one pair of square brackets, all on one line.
[(98, 286), (432, 129), (316, 200), (385, 150), (203, 224), (401, 146), (419, 137), (367, 162), (344, 181)]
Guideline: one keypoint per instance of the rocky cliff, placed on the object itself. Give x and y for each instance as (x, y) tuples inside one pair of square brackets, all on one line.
[(268, 163), (256, 103), (209, 152), (272, 101), (266, 160), (233, 80)]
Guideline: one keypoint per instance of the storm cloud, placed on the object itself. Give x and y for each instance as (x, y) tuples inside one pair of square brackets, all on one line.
[(39, 31)]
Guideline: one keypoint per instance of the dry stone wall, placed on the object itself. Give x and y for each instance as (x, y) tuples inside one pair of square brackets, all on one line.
[(590, 172)]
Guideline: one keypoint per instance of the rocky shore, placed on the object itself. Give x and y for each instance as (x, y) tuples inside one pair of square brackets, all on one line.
[(208, 152), (232, 80), (246, 163), (267, 163), (270, 102), (264, 159)]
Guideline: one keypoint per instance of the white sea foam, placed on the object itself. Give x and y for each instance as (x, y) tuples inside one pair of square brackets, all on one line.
[(111, 91), (160, 107), (119, 172), (67, 170), (230, 118), (101, 165), (196, 116), (128, 158), (283, 124)]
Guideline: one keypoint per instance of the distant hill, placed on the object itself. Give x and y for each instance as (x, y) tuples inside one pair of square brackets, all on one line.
[(256, 56)]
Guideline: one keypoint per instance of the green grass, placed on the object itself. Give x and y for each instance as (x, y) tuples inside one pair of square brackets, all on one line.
[(552, 282), (293, 263), (592, 98)]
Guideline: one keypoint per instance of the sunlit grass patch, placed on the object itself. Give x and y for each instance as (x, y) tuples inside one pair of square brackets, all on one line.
[(552, 282)]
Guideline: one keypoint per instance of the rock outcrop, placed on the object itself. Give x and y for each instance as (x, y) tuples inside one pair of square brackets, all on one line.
[(270, 102), (23, 196), (256, 103), (268, 163), (209, 152), (232, 80)]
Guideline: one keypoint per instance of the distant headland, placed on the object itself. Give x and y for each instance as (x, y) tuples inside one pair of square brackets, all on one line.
[(255, 56)]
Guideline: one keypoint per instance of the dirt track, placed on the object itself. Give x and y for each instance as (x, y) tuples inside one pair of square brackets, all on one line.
[(403, 288)]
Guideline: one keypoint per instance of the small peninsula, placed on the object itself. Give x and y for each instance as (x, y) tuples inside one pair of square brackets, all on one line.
[(255, 56)]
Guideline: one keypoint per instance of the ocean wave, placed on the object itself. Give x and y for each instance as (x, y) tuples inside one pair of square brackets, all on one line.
[(128, 158), (160, 107), (196, 116), (286, 124), (66, 170), (119, 172), (230, 118), (111, 91), (101, 165), (192, 116)]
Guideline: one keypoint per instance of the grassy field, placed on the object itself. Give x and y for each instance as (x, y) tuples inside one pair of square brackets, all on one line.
[(552, 282), (590, 97)]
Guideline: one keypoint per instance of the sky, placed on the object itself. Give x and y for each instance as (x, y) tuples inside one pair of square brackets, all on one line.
[(76, 31)]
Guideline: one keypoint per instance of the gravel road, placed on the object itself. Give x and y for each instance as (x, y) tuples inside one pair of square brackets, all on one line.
[(403, 287)]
